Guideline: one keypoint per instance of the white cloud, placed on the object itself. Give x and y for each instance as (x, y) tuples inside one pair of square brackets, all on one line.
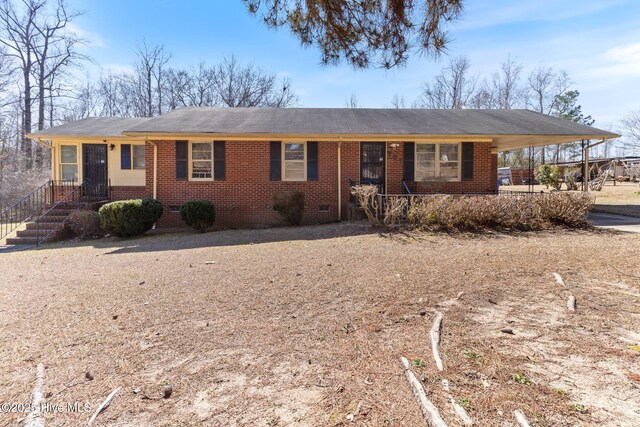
[(483, 14), (117, 68), (92, 39)]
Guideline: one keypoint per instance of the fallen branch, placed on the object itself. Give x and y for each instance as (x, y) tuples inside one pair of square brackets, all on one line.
[(34, 419), (559, 279), (103, 406), (457, 408), (429, 411), (521, 419), (435, 340), (571, 303)]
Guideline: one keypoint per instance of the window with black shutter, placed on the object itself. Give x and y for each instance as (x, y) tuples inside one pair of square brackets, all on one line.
[(219, 166), (182, 156), (275, 161), (312, 161), (467, 161), (125, 156), (409, 164)]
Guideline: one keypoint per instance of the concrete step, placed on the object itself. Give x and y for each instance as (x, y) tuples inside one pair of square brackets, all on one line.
[(22, 241), (43, 225), (35, 232), (52, 218), (59, 212)]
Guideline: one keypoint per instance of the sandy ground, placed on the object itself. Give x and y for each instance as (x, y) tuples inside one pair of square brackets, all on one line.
[(623, 198), (302, 326)]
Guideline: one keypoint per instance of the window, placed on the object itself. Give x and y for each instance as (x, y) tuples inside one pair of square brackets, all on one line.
[(127, 151), (139, 161), (201, 160), (294, 161), (425, 161), (69, 162), (440, 161)]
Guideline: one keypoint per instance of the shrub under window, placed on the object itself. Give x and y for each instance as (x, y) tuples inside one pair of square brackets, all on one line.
[(199, 214), (290, 205)]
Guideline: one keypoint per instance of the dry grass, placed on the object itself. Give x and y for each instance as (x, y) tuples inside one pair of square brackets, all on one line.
[(622, 198), (297, 326)]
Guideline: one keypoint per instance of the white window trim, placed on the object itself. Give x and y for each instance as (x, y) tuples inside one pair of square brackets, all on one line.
[(191, 178), (437, 161), (77, 163), (283, 162)]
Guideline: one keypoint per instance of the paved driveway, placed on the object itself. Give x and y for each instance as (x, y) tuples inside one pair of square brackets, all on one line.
[(616, 222)]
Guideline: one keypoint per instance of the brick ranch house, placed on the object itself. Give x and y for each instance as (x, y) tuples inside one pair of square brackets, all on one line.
[(240, 157)]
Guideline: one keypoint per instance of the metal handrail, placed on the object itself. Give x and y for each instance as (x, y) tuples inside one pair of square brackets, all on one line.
[(26, 208), (72, 196)]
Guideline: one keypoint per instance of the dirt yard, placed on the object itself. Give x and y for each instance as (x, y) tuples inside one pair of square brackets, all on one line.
[(305, 327), (622, 198)]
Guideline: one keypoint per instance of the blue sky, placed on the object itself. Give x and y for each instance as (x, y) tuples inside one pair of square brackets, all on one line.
[(596, 41)]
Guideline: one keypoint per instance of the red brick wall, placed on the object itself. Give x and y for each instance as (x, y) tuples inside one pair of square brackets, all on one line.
[(245, 197), (485, 173), (128, 192)]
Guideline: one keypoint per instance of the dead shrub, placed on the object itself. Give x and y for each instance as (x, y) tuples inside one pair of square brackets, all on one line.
[(366, 195), (395, 210), (290, 205), (501, 212), (86, 224), (567, 209), (571, 179)]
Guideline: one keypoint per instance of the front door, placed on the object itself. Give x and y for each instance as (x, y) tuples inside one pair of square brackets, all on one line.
[(94, 170), (372, 164)]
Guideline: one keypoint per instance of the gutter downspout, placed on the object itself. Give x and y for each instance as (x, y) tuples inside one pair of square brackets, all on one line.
[(155, 172), (340, 179)]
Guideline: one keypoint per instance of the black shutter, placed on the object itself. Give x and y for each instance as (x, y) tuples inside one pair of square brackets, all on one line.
[(409, 162), (275, 157), (312, 161), (182, 154), (125, 156), (219, 167), (467, 161)]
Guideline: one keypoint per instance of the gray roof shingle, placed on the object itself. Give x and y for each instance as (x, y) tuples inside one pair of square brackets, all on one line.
[(361, 121), (93, 127)]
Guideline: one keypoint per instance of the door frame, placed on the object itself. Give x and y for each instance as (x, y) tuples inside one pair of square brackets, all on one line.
[(106, 168), (384, 166)]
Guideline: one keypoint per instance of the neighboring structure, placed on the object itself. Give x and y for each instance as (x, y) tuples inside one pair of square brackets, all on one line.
[(240, 157)]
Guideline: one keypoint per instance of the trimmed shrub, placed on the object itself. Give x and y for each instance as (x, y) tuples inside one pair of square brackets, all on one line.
[(290, 205), (568, 209), (501, 212), (130, 217), (86, 224), (199, 214)]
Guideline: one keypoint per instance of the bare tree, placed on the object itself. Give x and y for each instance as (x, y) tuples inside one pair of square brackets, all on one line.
[(398, 101), (352, 101), (150, 70), (631, 123), (84, 103), (17, 35), (452, 88), (195, 87), (249, 86), (363, 31), (545, 86), (54, 49)]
